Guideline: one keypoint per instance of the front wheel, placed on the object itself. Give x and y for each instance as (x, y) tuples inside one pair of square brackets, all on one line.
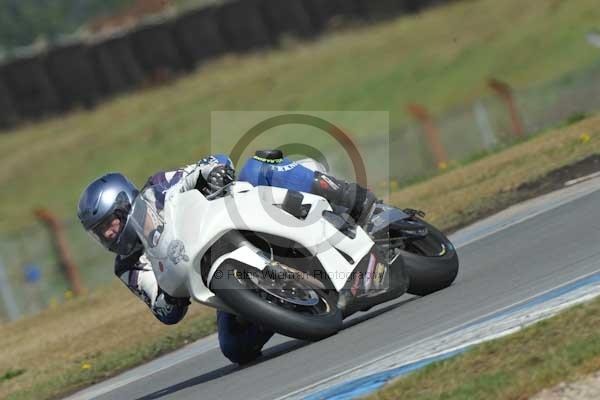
[(278, 298)]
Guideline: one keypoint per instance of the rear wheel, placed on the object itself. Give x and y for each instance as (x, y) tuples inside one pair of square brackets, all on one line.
[(431, 262), (278, 298)]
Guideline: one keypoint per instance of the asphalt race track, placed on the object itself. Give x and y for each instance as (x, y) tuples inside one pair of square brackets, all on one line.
[(506, 259)]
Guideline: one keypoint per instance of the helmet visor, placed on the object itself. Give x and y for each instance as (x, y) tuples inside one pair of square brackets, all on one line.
[(107, 231)]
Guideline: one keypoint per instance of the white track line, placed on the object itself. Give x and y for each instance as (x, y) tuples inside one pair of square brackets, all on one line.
[(498, 327), (429, 338), (160, 364), (524, 211)]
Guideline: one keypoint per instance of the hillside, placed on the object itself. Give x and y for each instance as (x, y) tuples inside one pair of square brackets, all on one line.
[(440, 58)]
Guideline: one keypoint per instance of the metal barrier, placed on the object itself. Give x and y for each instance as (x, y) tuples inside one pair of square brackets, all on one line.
[(84, 70)]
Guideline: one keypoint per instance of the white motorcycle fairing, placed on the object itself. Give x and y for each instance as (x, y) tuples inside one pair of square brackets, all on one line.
[(190, 224)]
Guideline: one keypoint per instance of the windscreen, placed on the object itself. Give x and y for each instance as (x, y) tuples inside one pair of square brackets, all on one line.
[(146, 219)]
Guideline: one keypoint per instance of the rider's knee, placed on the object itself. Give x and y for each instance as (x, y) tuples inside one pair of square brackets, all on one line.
[(240, 343), (235, 351), (238, 355)]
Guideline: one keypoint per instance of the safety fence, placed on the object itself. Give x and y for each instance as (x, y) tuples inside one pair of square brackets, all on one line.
[(32, 276), (82, 72)]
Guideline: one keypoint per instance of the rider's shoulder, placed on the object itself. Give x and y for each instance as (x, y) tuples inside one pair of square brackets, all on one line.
[(155, 179), (167, 179)]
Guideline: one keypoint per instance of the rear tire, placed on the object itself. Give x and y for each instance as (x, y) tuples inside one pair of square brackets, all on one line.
[(428, 269), (249, 301)]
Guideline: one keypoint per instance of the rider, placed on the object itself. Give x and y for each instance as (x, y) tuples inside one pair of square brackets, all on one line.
[(105, 205)]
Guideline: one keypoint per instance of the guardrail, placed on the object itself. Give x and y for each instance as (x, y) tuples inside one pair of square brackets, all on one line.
[(84, 71)]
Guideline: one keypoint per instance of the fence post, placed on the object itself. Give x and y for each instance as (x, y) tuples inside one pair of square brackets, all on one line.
[(432, 134), (8, 298), (62, 249), (504, 91)]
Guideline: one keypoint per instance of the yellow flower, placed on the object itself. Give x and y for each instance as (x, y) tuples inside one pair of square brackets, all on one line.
[(86, 366), (584, 137), (68, 294), (53, 302), (443, 165)]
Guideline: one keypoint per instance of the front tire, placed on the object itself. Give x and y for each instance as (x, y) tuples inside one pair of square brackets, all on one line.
[(299, 319)]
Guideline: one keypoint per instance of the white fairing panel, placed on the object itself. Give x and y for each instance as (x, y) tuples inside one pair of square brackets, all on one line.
[(242, 254), (193, 224)]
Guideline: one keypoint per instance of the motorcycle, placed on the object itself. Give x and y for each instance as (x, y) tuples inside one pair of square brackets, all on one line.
[(285, 259)]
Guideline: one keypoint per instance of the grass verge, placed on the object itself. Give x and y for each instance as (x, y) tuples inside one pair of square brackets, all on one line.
[(92, 338), (87, 340), (518, 366)]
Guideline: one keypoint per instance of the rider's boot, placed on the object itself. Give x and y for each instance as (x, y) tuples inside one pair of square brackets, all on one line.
[(358, 200)]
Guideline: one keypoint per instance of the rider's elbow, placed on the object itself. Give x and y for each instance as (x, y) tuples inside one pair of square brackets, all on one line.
[(171, 316)]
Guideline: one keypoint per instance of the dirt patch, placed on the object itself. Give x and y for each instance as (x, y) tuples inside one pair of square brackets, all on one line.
[(584, 389), (557, 178), (550, 182)]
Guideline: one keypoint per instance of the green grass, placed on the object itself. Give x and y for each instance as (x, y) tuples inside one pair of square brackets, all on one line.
[(103, 365), (440, 58), (11, 373), (565, 347), (86, 340)]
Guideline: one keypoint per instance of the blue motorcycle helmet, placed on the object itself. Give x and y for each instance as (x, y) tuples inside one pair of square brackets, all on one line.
[(106, 204)]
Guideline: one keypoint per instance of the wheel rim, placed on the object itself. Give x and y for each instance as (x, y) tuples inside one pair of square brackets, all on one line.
[(282, 286), (429, 246)]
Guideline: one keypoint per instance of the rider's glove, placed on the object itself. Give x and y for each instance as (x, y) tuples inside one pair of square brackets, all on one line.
[(220, 176), (176, 301)]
